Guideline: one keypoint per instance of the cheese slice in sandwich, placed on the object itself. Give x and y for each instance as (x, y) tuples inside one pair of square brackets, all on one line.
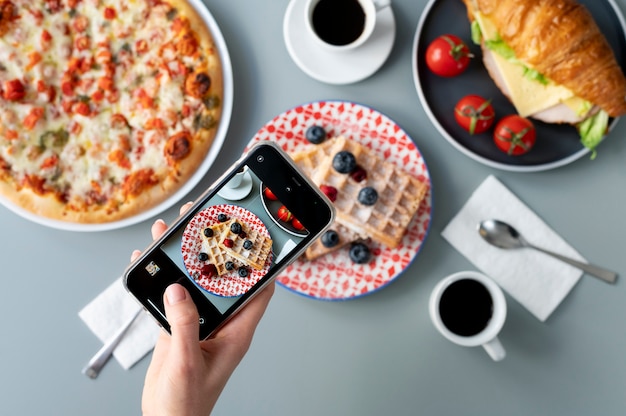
[(528, 95), (550, 59)]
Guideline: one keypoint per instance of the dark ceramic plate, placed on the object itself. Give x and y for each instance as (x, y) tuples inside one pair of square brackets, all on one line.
[(557, 145)]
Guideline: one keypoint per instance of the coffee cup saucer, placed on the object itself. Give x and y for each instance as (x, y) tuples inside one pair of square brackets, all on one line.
[(337, 67), (240, 192)]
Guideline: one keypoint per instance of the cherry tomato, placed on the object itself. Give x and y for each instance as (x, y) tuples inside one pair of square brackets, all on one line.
[(474, 114), (447, 56), (284, 214), (297, 224), (514, 135), (269, 194)]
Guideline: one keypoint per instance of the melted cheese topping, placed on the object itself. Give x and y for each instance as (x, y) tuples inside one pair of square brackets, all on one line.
[(111, 88)]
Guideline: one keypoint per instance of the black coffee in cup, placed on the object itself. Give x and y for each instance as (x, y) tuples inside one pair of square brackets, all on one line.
[(466, 307), (338, 22)]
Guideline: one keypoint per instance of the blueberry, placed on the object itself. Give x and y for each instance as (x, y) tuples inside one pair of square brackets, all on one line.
[(330, 238), (208, 232), (243, 272), (222, 217), (236, 228), (368, 196), (344, 162), (247, 244), (360, 253), (229, 265), (203, 257), (315, 134)]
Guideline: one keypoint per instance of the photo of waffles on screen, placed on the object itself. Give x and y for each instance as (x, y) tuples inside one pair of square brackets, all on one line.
[(233, 241)]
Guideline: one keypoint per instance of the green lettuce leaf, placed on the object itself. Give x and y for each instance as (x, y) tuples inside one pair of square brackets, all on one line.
[(500, 47), (477, 33), (592, 130)]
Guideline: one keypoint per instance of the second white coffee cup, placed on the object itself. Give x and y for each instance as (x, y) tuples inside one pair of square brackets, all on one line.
[(469, 309), (341, 25)]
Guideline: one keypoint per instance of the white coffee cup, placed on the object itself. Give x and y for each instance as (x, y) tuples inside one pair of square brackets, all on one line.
[(341, 25), (469, 309), (235, 180)]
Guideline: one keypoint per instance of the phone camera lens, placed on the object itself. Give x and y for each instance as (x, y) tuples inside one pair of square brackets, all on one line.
[(260, 158), (288, 189)]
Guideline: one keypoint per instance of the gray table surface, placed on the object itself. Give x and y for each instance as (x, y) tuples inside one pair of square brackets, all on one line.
[(375, 355)]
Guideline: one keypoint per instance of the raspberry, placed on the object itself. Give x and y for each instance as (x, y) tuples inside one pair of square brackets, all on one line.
[(209, 270), (228, 243), (358, 174), (329, 191)]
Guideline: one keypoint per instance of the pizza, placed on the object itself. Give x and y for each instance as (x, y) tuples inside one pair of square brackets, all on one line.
[(106, 107)]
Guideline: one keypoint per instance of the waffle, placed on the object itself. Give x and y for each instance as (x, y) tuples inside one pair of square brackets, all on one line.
[(313, 156), (254, 257), (399, 194), (213, 248), (317, 249), (308, 161)]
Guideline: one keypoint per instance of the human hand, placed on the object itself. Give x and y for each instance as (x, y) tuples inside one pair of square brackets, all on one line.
[(186, 376)]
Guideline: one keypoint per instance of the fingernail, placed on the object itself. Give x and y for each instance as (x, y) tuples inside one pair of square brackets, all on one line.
[(175, 293), (159, 221)]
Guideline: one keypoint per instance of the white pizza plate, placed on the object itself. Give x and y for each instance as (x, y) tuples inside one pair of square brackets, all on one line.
[(334, 276), (222, 128)]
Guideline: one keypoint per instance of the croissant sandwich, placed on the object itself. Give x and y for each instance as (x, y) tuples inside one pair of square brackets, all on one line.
[(552, 62)]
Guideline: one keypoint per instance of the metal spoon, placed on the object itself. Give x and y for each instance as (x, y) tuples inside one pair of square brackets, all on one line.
[(502, 235), (97, 362)]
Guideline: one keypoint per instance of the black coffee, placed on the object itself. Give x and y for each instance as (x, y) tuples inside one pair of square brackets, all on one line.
[(338, 22), (466, 307)]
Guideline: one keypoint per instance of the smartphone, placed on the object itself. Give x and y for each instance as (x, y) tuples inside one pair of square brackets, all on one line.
[(235, 239)]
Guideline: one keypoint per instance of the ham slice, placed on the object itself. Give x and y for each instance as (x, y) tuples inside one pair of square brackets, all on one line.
[(560, 113)]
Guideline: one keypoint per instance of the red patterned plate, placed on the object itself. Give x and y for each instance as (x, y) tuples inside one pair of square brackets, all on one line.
[(227, 285), (335, 276)]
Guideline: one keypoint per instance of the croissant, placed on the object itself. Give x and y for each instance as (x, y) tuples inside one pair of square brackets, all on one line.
[(560, 40)]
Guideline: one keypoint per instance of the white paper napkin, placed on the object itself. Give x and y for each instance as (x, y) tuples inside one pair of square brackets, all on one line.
[(109, 311), (536, 280)]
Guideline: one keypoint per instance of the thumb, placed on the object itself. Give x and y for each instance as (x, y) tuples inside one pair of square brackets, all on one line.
[(182, 316)]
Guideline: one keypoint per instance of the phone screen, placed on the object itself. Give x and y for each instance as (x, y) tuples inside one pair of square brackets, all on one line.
[(224, 274), (232, 242)]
